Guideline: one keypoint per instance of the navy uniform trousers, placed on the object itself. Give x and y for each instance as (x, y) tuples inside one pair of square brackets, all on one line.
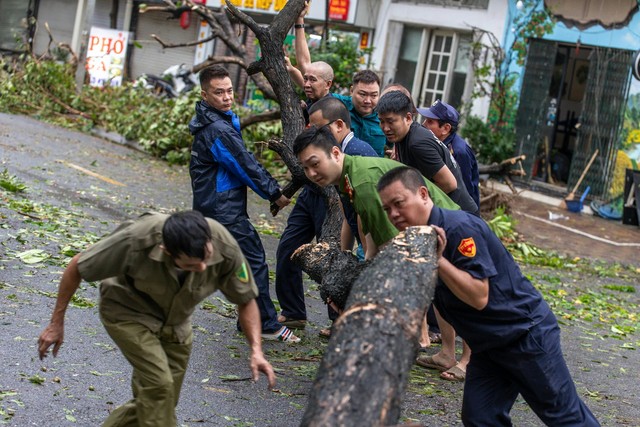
[(252, 249), (533, 366), (304, 223)]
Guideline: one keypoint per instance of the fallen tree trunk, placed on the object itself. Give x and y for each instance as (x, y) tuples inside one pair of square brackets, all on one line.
[(363, 375), (504, 167)]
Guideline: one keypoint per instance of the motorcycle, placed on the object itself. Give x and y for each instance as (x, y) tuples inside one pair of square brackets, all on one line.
[(173, 82)]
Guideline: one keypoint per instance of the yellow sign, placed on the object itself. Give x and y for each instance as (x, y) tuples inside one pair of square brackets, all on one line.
[(258, 5)]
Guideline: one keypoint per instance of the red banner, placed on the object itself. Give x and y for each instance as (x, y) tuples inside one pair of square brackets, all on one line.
[(339, 10)]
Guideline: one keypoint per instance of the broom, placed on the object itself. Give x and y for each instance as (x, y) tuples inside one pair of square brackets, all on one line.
[(572, 195)]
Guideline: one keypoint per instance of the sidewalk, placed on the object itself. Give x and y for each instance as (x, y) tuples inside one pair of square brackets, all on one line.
[(545, 224)]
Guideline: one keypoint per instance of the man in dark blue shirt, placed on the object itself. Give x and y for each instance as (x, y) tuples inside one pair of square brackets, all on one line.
[(513, 335), (442, 119)]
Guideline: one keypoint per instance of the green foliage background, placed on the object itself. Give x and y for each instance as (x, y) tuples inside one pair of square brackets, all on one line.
[(343, 55), (47, 91)]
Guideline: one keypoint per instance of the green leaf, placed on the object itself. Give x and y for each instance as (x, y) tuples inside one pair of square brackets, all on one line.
[(37, 379), (33, 256)]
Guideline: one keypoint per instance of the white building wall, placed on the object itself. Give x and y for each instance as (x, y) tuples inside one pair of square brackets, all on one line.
[(385, 45)]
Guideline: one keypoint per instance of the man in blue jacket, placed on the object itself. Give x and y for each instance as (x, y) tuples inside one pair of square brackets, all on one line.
[(221, 169)]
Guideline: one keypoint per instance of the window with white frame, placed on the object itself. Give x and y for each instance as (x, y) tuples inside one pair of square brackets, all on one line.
[(435, 64), (436, 74)]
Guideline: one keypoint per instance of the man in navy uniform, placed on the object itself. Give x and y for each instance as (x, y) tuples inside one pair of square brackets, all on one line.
[(513, 335), (442, 119)]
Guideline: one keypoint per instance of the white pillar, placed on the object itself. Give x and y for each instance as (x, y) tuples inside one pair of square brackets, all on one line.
[(81, 28)]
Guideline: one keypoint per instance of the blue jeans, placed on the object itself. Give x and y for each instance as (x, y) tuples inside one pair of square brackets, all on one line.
[(251, 245)]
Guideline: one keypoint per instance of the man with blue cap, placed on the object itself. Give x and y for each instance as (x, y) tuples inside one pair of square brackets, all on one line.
[(442, 119)]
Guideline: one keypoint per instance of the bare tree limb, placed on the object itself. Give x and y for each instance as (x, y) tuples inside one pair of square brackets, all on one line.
[(262, 117), (166, 45), (221, 28)]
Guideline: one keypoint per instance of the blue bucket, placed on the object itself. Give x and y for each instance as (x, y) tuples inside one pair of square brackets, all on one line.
[(577, 205)]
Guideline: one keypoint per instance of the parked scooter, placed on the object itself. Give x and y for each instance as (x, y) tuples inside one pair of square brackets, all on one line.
[(174, 81)]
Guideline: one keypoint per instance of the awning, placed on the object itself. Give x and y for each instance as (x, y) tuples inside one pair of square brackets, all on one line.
[(587, 13)]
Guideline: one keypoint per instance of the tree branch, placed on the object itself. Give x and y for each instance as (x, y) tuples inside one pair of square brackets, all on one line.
[(265, 116)]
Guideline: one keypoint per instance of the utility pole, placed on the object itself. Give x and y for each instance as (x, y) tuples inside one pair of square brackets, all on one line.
[(325, 30), (84, 12)]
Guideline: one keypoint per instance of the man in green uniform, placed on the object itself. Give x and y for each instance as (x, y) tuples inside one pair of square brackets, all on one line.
[(356, 177), (155, 270)]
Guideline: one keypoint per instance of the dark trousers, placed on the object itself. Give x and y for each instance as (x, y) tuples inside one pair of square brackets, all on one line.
[(304, 223), (533, 366), (252, 249)]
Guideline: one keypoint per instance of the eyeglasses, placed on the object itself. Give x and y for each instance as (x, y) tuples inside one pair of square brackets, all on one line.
[(326, 125), (325, 131)]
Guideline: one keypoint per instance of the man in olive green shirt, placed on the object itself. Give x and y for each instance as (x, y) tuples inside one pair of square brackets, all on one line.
[(325, 164), (155, 270)]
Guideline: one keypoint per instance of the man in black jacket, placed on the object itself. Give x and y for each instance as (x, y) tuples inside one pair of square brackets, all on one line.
[(418, 147), (221, 168)]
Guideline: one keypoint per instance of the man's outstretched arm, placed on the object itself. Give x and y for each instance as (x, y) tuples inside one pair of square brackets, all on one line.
[(250, 322), (53, 334), (303, 57)]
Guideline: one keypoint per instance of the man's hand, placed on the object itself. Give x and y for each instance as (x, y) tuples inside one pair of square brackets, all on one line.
[(305, 11), (52, 335), (334, 306), (260, 364), (287, 62), (442, 240), (283, 201)]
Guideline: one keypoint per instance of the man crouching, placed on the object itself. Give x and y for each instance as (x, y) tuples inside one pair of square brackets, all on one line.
[(513, 335)]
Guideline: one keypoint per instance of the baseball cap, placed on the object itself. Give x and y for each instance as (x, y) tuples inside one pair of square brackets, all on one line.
[(441, 111)]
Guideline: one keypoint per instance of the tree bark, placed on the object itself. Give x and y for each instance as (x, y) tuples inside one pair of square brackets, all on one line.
[(363, 375), (504, 167), (364, 372)]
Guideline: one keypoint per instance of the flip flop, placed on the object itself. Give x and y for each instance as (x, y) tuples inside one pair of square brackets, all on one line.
[(435, 338), (453, 374), (428, 362), (292, 323), (283, 335), (325, 333)]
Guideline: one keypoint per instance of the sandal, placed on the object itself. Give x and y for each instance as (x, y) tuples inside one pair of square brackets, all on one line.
[(292, 323), (428, 362), (284, 335), (453, 374), (325, 333), (435, 338)]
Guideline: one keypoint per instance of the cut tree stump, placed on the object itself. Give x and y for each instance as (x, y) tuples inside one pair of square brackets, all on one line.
[(335, 271), (363, 374)]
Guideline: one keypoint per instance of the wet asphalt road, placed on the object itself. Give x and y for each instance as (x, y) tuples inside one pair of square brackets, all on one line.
[(64, 204)]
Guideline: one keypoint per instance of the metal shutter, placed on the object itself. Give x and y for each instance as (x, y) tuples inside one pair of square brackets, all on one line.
[(534, 100), (152, 58), (601, 118)]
